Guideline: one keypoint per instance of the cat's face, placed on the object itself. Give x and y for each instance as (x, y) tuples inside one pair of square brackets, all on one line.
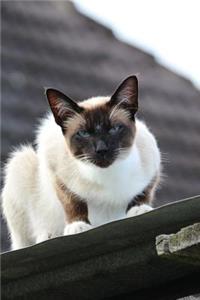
[(101, 138), (98, 130)]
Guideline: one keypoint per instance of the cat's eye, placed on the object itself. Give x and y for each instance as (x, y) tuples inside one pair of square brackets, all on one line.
[(83, 133), (116, 128)]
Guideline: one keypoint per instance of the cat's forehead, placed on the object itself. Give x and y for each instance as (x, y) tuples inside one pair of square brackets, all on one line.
[(97, 117), (94, 102), (99, 114), (96, 112)]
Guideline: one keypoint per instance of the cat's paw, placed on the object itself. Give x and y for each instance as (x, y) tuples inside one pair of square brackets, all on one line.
[(76, 227), (138, 210)]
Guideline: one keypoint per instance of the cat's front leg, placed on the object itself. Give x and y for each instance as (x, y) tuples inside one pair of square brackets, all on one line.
[(138, 210), (77, 217), (141, 203), (76, 227), (76, 211), (42, 237)]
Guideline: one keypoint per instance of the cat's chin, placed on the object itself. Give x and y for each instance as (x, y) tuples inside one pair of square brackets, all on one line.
[(102, 163)]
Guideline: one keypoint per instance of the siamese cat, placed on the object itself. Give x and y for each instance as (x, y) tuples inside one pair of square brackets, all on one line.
[(95, 162)]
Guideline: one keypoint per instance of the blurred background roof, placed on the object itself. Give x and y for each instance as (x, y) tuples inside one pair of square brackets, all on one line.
[(166, 29), (49, 43)]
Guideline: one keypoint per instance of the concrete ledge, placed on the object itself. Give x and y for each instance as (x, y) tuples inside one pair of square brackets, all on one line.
[(115, 261), (185, 244)]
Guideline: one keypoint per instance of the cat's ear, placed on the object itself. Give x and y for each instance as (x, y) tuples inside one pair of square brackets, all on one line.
[(61, 105), (126, 95)]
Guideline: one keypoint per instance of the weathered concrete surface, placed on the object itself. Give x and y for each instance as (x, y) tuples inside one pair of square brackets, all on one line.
[(193, 297), (114, 261), (185, 244)]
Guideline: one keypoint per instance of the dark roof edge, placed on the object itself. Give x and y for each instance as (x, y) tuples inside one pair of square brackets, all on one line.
[(123, 251)]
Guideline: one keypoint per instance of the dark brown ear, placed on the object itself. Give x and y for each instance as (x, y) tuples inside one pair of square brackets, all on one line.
[(126, 95), (61, 105)]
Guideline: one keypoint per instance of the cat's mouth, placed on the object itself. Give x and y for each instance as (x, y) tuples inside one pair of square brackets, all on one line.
[(103, 161)]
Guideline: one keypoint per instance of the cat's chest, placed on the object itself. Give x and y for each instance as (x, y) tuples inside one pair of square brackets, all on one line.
[(117, 188), (114, 186)]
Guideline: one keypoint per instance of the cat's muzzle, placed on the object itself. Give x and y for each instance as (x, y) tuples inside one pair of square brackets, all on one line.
[(103, 159)]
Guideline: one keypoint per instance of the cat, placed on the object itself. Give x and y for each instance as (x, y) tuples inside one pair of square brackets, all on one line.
[(94, 163)]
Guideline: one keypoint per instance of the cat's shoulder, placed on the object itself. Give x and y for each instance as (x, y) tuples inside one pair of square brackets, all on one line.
[(143, 132), (48, 134), (47, 126), (147, 144)]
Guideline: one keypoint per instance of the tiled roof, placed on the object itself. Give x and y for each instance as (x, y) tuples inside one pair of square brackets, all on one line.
[(49, 43)]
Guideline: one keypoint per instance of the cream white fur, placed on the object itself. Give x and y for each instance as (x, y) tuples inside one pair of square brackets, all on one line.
[(138, 210), (30, 203), (76, 227)]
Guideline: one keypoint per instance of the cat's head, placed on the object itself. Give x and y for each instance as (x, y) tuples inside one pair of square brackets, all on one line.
[(98, 130)]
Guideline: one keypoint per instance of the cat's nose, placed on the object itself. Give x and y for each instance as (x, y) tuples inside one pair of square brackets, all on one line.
[(101, 147)]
